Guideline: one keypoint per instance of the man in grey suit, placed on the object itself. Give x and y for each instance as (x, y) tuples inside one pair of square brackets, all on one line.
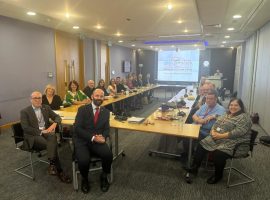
[(39, 133)]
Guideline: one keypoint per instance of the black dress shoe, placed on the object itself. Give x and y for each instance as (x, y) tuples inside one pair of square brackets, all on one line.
[(213, 179), (104, 183), (85, 186)]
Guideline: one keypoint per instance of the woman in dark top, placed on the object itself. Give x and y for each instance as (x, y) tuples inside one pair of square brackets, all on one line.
[(50, 98)]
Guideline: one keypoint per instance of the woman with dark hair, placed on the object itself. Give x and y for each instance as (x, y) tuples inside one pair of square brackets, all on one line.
[(50, 98), (112, 87), (101, 85), (74, 95), (228, 131)]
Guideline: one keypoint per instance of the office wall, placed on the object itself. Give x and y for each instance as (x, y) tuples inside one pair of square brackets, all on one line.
[(246, 87), (149, 60), (118, 54), (262, 82), (69, 61), (89, 61), (224, 59), (26, 56)]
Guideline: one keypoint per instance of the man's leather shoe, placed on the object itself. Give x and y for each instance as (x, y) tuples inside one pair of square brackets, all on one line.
[(104, 183), (85, 186), (52, 170), (213, 179), (64, 178)]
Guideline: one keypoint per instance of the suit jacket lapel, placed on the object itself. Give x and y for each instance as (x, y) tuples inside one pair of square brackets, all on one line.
[(33, 116)]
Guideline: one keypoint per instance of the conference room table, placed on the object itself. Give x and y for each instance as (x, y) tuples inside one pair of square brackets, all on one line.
[(114, 99), (158, 123)]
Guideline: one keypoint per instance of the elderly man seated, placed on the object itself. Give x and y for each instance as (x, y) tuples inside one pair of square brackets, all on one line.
[(39, 132)]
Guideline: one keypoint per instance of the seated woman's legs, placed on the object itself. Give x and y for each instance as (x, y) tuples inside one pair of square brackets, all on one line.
[(219, 159)]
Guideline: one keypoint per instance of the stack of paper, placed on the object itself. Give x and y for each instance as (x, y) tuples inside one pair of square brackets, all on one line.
[(135, 119)]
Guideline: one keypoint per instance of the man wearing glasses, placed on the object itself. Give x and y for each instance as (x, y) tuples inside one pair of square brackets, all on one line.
[(39, 133)]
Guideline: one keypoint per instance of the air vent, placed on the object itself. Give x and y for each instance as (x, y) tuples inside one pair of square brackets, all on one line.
[(213, 25)]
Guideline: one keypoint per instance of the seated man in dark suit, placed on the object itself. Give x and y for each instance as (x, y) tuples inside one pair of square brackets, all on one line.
[(88, 90), (119, 86), (92, 126), (39, 133)]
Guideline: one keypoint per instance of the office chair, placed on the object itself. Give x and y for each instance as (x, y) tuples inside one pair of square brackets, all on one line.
[(18, 136), (250, 144), (93, 166)]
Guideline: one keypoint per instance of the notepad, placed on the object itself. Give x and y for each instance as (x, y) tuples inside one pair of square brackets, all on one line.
[(135, 119)]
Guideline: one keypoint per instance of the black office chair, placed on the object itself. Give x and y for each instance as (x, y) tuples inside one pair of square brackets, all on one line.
[(18, 136), (95, 160), (237, 148)]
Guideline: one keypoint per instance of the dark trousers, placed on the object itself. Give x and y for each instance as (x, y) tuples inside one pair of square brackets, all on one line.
[(219, 159), (48, 142), (83, 154)]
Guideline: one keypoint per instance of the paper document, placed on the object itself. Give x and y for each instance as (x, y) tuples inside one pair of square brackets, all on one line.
[(135, 119)]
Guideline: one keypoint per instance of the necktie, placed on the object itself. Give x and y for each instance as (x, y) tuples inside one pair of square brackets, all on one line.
[(96, 116)]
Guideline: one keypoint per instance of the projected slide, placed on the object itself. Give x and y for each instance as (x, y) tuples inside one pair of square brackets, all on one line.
[(178, 66)]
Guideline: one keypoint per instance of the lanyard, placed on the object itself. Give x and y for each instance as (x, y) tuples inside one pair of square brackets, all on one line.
[(207, 111)]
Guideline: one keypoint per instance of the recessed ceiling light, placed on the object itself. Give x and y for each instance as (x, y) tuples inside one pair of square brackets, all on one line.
[(179, 21), (67, 15), (224, 42), (133, 45), (75, 27), (31, 13), (227, 36), (185, 30), (237, 16), (120, 41), (232, 47), (195, 45), (169, 6), (230, 29), (98, 26), (118, 34)]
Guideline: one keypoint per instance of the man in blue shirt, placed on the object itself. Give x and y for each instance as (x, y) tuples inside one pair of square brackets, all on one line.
[(208, 113)]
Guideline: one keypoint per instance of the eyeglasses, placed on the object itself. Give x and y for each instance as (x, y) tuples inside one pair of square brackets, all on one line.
[(36, 98)]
